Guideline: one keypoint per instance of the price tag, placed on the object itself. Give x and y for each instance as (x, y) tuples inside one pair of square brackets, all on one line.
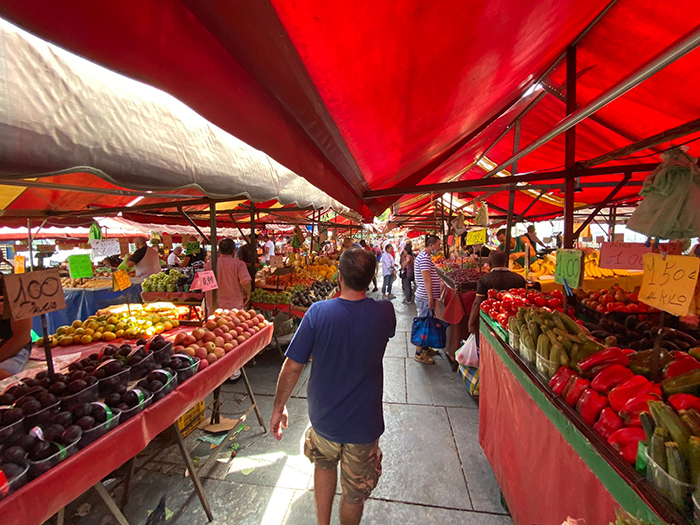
[(476, 237), (105, 247), (277, 261), (80, 266), (34, 293), (623, 255), (120, 280), (192, 248), (20, 263), (570, 267), (123, 245), (600, 239), (205, 281), (167, 241), (669, 283)]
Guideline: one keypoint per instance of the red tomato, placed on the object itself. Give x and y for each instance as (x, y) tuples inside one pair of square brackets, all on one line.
[(633, 307), (557, 294), (593, 296), (607, 298), (540, 301), (555, 303), (503, 320), (601, 308), (499, 296), (492, 293)]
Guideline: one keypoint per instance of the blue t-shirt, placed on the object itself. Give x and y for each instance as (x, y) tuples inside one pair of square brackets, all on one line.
[(347, 340)]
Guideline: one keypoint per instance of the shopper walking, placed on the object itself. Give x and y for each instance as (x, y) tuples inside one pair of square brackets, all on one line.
[(369, 248), (347, 338), (388, 271), (407, 269), (427, 290)]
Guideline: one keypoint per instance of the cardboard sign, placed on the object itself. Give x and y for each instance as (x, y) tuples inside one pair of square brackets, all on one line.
[(475, 237), (600, 239), (207, 281), (102, 248), (669, 283), (120, 280), (167, 241), (619, 237), (277, 261), (80, 266), (192, 248), (46, 248), (569, 267), (623, 255), (123, 245), (20, 263), (29, 294)]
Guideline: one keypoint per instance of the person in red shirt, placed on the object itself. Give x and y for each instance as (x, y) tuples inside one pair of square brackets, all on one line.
[(233, 278)]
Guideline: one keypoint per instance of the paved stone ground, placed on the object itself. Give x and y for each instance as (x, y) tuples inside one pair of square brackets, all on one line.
[(434, 470)]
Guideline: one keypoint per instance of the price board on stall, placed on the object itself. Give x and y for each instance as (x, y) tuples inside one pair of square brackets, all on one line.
[(123, 245), (204, 281), (30, 294), (669, 282), (277, 261), (192, 248), (569, 267), (105, 247), (80, 266), (623, 255), (167, 241), (120, 280), (20, 263), (475, 237)]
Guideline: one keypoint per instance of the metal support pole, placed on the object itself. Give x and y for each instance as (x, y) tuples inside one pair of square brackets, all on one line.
[(194, 224), (611, 223), (602, 205), (193, 472), (511, 193), (214, 253), (253, 245), (570, 149), (29, 244)]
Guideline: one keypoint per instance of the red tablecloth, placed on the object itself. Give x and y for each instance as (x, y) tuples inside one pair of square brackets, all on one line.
[(546, 468), (455, 309), (46, 495)]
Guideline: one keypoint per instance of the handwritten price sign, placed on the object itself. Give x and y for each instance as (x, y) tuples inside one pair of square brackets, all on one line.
[(475, 237), (277, 261), (191, 248), (30, 294), (167, 241), (669, 284), (80, 266), (20, 263), (105, 247), (623, 255), (570, 267), (120, 280), (204, 281)]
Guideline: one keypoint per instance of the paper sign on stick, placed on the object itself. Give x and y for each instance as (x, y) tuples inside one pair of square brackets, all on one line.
[(20, 263), (120, 280), (192, 248), (277, 261), (205, 281), (31, 294), (570, 267), (105, 247), (476, 237), (623, 255), (80, 266), (669, 283)]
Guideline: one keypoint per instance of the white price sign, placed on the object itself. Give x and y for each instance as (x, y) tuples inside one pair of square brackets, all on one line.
[(105, 247)]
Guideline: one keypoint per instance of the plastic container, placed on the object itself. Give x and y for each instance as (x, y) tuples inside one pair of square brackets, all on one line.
[(37, 468), (11, 433), (18, 481), (168, 387), (679, 494), (185, 373), (87, 395), (163, 354), (546, 368), (143, 367), (128, 414), (92, 435), (514, 339), (108, 384), (42, 417), (527, 354)]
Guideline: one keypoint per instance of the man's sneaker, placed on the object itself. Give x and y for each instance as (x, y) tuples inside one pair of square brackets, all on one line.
[(424, 358), (391, 296), (432, 351)]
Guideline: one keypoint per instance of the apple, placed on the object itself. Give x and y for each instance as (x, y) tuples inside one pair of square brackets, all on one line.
[(198, 333), (203, 363), (189, 340), (219, 352), (251, 332), (210, 346), (251, 313), (239, 329), (227, 337), (219, 341), (221, 321), (208, 336), (234, 343), (201, 353), (262, 325), (211, 325), (241, 339), (228, 347), (256, 329), (179, 338), (224, 328), (179, 348), (211, 358), (218, 332), (189, 351), (260, 318)]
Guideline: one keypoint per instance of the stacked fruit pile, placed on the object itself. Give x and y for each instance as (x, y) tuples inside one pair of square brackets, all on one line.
[(163, 282), (67, 282), (501, 306), (260, 295), (613, 300)]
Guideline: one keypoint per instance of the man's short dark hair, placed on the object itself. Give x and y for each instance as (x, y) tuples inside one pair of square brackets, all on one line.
[(498, 259), (226, 247), (363, 243), (357, 267), (500, 232), (431, 239)]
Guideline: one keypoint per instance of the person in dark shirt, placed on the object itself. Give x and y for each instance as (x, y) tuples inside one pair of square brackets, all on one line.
[(347, 338), (499, 278)]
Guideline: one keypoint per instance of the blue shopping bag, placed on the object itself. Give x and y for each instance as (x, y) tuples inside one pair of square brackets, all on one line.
[(429, 331)]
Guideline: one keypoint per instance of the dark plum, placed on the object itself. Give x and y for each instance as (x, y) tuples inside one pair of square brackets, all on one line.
[(119, 389), (18, 390), (7, 399), (72, 434), (86, 422), (26, 441), (59, 389), (47, 400), (12, 415), (53, 432), (113, 399), (42, 450), (98, 412), (155, 385), (11, 470), (64, 418), (76, 386), (91, 380), (14, 454), (79, 410), (31, 407)]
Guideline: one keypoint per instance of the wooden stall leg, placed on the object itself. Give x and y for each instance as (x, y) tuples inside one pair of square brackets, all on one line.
[(252, 399), (113, 508), (216, 407), (193, 473), (127, 481)]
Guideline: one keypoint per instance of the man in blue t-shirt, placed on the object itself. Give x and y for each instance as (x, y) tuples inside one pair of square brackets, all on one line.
[(347, 337)]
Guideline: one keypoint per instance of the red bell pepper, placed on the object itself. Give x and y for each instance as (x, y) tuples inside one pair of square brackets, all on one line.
[(626, 441), (590, 405), (635, 386), (608, 423), (574, 389), (684, 402), (610, 377), (560, 379), (590, 366), (629, 351), (635, 406), (681, 366)]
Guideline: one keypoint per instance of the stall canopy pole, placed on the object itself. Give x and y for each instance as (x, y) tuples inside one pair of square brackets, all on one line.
[(194, 224), (254, 245), (570, 149), (602, 205), (511, 194), (214, 253), (611, 223)]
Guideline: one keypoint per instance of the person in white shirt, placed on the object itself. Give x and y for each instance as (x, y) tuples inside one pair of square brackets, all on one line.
[(174, 257), (268, 249), (388, 271), (144, 260)]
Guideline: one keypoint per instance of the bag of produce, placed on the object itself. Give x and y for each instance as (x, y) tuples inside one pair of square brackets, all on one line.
[(429, 331), (482, 216), (468, 354)]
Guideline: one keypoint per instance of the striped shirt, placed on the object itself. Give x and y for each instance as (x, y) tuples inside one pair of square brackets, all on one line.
[(424, 262)]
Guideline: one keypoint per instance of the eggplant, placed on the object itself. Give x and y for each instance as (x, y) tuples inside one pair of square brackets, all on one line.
[(669, 345), (642, 327), (631, 322), (681, 336)]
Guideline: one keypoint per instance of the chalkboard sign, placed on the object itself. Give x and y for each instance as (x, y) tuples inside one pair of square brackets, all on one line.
[(30, 294)]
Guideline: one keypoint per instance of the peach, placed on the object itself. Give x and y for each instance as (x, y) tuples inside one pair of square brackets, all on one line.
[(203, 363), (201, 353), (211, 358), (219, 352), (208, 336), (210, 346)]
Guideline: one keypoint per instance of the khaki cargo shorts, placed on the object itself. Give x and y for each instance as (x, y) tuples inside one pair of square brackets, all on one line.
[(360, 465)]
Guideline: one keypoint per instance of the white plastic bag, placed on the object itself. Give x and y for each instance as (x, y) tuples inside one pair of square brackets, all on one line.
[(468, 354)]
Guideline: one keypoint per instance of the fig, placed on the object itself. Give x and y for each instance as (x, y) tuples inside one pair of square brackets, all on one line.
[(14, 454), (86, 422), (42, 450), (72, 434), (7, 399), (53, 432), (63, 418), (76, 386), (47, 399), (59, 389), (31, 407), (26, 441), (11, 470)]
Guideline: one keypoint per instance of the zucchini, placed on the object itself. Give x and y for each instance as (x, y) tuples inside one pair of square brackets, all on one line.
[(667, 418), (678, 470), (648, 425), (694, 459), (657, 448), (543, 346)]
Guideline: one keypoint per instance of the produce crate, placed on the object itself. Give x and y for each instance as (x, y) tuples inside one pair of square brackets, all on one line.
[(188, 421)]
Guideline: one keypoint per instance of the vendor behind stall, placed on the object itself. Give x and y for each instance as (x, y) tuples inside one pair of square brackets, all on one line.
[(112, 262), (499, 278), (174, 257), (144, 260), (518, 247), (192, 258)]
